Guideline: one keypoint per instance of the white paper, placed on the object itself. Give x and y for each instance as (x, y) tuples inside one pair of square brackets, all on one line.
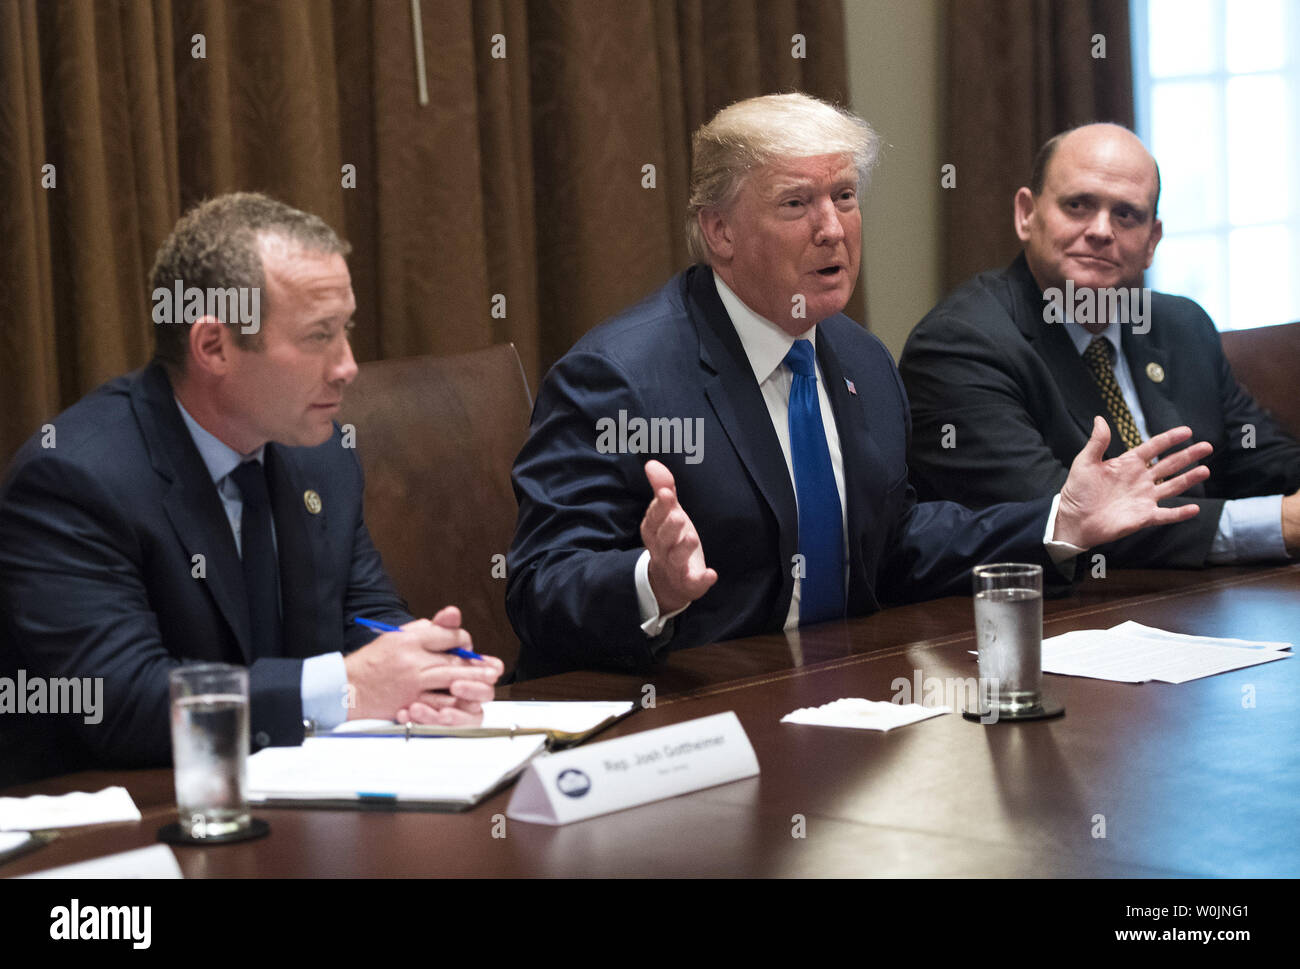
[(1132, 628), (433, 769), (1107, 655), (573, 716), (42, 811), (649, 766), (864, 714), (156, 861), (10, 841)]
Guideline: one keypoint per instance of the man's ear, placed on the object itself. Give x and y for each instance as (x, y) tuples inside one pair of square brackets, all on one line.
[(1024, 211), (1157, 233), (718, 233), (211, 345)]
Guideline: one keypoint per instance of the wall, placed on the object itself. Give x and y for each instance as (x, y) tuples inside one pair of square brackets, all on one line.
[(895, 53)]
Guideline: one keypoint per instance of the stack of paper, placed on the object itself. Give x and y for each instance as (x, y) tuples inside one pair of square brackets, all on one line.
[(425, 772), (863, 714), (1133, 653), (42, 811), (564, 723)]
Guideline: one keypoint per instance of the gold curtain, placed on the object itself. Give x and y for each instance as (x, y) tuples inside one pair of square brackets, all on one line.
[(1019, 71), (521, 186)]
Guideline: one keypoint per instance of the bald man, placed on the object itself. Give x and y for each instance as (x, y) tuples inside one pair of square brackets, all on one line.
[(1006, 374)]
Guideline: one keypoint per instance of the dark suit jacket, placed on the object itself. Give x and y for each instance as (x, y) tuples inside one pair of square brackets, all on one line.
[(571, 595), (1021, 402), (98, 577)]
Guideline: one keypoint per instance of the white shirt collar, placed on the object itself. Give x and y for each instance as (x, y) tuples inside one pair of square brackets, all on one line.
[(765, 343), (1081, 337), (219, 457)]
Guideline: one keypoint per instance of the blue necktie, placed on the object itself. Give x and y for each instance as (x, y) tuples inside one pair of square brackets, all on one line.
[(821, 530), (261, 569)]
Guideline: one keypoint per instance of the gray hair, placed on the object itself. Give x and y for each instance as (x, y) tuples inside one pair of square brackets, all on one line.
[(215, 245), (749, 134)]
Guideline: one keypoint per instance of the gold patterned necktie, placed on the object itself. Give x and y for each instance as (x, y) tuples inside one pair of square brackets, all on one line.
[(1100, 358)]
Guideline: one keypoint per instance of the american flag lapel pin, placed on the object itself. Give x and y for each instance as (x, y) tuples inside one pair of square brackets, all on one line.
[(849, 384)]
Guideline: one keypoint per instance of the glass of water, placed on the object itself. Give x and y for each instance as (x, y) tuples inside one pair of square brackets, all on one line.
[(210, 748), (1009, 631)]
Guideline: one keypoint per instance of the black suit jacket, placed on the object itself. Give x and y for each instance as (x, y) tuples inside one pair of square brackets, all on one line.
[(1021, 402), (100, 576), (571, 594)]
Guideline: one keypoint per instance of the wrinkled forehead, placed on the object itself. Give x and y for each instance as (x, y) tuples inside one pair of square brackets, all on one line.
[(815, 171)]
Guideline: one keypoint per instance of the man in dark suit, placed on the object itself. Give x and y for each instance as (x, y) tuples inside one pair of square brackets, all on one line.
[(1007, 374), (206, 508), (778, 429)]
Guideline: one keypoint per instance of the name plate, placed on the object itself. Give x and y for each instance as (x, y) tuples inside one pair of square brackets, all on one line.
[(619, 774)]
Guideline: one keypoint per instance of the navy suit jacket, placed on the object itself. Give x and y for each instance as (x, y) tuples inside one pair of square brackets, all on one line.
[(571, 593), (1021, 402), (99, 575)]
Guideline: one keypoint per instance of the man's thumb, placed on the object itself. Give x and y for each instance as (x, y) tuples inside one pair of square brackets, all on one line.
[(1095, 449)]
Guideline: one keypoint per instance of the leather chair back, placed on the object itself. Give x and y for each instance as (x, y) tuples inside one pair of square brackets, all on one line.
[(437, 437), (1266, 361)]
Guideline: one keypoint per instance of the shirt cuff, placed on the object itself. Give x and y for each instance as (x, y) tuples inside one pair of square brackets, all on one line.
[(1060, 552), (325, 690), (652, 624), (1250, 530)]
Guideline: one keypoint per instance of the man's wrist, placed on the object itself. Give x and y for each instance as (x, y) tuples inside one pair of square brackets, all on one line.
[(1059, 549)]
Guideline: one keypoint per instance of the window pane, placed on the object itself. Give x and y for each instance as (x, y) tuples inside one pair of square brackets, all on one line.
[(1260, 172), (1184, 126), (1181, 37), (1261, 268), (1256, 35), (1192, 266)]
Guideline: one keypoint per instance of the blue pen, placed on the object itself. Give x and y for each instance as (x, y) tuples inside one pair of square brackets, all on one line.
[(384, 627)]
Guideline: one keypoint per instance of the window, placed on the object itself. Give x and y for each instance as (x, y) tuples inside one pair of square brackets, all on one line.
[(1217, 86)]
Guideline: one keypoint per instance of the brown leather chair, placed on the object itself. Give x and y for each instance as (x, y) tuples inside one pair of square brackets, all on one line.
[(1266, 360), (437, 437)]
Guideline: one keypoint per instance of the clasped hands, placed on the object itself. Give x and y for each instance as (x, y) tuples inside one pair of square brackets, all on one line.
[(409, 675), (1101, 501)]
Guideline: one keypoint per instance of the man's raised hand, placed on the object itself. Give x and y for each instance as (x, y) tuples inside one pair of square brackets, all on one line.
[(678, 575), (1106, 500)]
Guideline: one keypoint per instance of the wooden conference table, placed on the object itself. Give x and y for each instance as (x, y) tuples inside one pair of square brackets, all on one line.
[(1201, 778)]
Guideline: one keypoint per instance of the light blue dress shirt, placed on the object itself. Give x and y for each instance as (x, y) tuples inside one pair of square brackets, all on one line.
[(1250, 529), (324, 678)]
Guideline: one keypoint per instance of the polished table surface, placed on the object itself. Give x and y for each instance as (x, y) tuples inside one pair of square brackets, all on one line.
[(1201, 778)]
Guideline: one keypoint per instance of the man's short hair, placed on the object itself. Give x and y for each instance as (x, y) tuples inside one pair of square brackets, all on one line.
[(215, 245), (750, 134), (1038, 174)]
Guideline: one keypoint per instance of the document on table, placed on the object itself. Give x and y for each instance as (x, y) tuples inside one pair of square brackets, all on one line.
[(564, 722), (1133, 653), (41, 811), (156, 861), (863, 714), (442, 773)]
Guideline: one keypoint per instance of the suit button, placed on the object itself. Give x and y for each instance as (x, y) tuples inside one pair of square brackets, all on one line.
[(262, 739)]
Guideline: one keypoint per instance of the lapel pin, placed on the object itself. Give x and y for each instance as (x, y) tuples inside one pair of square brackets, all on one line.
[(1156, 372), (312, 501), (849, 384)]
